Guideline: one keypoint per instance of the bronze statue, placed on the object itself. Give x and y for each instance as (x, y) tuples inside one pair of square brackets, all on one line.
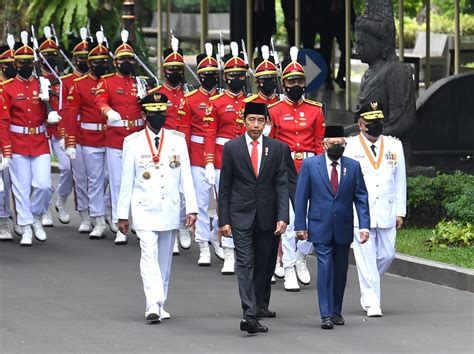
[(387, 80)]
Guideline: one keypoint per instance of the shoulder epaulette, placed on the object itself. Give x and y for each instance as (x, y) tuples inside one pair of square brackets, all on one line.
[(107, 75), (216, 96), (175, 132), (392, 137), (274, 104), (314, 103), (132, 136), (250, 98), (81, 77), (6, 81), (190, 93), (154, 89), (65, 76)]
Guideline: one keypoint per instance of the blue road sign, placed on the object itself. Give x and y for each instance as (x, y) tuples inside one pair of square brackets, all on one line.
[(315, 68)]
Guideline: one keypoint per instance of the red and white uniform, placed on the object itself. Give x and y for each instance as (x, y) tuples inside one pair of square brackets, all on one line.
[(261, 98)]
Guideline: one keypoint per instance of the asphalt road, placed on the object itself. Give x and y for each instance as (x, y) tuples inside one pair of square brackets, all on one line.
[(72, 294)]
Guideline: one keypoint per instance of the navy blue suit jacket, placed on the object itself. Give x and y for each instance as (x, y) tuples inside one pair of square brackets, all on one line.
[(330, 217)]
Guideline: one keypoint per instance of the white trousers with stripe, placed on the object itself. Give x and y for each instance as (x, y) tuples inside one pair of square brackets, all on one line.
[(80, 180), (114, 168), (65, 173), (95, 167)]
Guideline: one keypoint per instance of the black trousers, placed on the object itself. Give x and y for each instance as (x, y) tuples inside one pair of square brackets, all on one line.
[(256, 252), (334, 27)]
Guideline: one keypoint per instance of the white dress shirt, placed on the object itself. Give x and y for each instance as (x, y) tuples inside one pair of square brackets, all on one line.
[(369, 145), (249, 140)]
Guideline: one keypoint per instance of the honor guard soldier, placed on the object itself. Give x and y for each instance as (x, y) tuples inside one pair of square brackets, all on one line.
[(225, 116), (155, 169), (173, 70), (50, 51), (25, 146), (298, 122), (88, 136), (383, 166), (116, 98), (202, 161), (7, 71)]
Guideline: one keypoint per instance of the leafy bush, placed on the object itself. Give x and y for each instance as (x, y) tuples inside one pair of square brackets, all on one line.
[(194, 6), (452, 234)]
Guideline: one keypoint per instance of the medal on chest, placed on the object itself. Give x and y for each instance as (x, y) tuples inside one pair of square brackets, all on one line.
[(155, 157), (174, 161)]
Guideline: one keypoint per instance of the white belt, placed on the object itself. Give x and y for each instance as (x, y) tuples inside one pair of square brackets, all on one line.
[(301, 155), (92, 126), (127, 123), (221, 141), (27, 130), (197, 139)]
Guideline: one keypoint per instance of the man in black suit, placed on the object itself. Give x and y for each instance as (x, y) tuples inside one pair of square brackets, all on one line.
[(254, 210)]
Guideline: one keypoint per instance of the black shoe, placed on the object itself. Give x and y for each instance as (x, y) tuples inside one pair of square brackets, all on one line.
[(261, 328), (265, 313), (340, 82), (249, 326), (338, 320), (326, 323)]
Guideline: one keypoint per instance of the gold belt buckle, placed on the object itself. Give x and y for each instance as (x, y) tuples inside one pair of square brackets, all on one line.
[(131, 123), (31, 130), (299, 156)]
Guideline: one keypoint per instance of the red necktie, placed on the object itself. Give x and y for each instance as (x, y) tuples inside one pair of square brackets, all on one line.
[(254, 156), (334, 181)]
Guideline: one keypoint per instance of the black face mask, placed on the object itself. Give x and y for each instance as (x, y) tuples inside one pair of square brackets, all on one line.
[(236, 85), (335, 152), (295, 93), (174, 78), (9, 71), (126, 68), (268, 87), (156, 120), (100, 70), (25, 71), (208, 82), (53, 62), (375, 129), (82, 66)]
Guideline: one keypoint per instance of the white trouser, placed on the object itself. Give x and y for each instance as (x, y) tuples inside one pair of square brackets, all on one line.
[(5, 193), (65, 173), (373, 258), (202, 188), (227, 242), (155, 264), (80, 180), (114, 167), (289, 244), (94, 161), (31, 176)]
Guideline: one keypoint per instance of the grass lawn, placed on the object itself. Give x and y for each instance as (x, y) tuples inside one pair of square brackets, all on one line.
[(413, 242)]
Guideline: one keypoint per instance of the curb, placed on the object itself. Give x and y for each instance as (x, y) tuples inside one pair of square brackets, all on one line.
[(431, 271)]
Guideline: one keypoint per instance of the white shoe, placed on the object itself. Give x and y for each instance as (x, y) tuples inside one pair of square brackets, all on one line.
[(26, 236), (273, 281), (204, 254), (302, 272), (184, 237), (228, 268), (218, 250), (120, 239), (279, 270), (5, 234), (165, 315), (175, 247), (38, 230), (291, 283), (85, 225), (374, 311), (153, 314), (108, 219), (365, 308), (100, 228), (60, 206), (46, 219), (18, 229)]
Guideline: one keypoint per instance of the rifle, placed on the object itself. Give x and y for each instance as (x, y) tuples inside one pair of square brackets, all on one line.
[(248, 84), (219, 57), (47, 34), (279, 69), (104, 39), (175, 46)]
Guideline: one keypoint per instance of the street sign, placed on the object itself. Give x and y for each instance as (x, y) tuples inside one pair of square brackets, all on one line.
[(315, 68)]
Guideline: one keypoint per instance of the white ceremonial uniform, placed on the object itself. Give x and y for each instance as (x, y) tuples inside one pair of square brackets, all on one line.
[(153, 196), (64, 188), (80, 180), (385, 178)]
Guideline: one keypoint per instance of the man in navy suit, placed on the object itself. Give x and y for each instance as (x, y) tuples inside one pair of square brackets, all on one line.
[(331, 184)]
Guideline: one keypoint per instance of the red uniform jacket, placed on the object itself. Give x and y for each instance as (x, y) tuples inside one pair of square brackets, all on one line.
[(300, 125), (119, 93), (225, 116), (22, 107), (80, 103), (259, 98), (202, 132), (176, 117)]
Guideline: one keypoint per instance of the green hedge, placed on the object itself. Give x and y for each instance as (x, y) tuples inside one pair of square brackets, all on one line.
[(194, 6)]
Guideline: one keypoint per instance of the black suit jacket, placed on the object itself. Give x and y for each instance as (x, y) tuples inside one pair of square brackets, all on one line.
[(243, 196)]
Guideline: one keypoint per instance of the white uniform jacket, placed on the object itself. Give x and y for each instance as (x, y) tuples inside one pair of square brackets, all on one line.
[(153, 194), (386, 185)]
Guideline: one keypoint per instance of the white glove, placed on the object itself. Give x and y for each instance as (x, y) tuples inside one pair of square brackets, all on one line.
[(71, 152), (62, 144), (113, 116), (210, 174), (5, 163), (53, 117), (45, 85)]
